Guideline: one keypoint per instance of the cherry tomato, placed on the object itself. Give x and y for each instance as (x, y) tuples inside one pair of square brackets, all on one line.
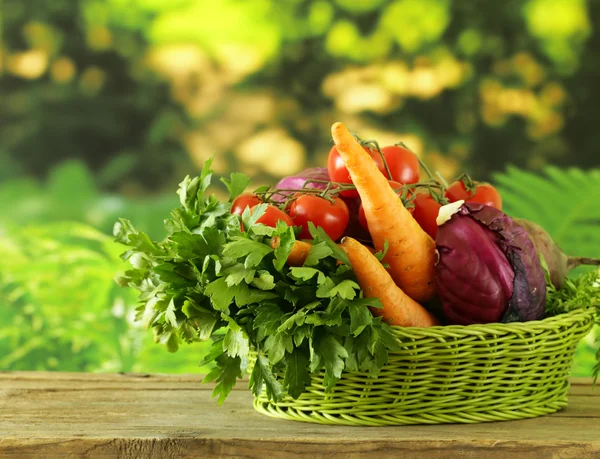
[(338, 172), (242, 201), (403, 163), (425, 213), (333, 216), (484, 194), (272, 215), (361, 211)]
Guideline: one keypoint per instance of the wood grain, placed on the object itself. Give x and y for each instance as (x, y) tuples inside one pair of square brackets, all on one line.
[(162, 416)]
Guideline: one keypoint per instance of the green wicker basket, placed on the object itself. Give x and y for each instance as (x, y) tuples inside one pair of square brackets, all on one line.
[(452, 374)]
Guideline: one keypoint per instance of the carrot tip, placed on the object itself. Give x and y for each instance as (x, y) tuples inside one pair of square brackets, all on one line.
[(275, 242), (337, 126)]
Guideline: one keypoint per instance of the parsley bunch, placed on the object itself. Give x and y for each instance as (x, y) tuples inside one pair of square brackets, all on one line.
[(578, 293), (208, 279)]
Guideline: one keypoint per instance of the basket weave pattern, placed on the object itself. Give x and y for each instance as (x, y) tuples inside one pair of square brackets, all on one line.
[(452, 374)]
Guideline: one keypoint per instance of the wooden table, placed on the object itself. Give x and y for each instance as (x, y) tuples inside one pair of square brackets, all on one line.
[(155, 416)]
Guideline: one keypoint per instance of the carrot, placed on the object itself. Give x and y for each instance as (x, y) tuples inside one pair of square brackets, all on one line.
[(299, 251), (398, 308), (411, 255)]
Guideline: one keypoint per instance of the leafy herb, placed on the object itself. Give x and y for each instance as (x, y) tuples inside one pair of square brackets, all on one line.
[(578, 293), (208, 279)]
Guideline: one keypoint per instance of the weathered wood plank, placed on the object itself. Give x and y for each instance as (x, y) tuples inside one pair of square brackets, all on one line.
[(89, 415), (136, 381), (198, 448)]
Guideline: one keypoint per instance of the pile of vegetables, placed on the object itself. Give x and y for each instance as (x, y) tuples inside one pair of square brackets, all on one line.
[(312, 273)]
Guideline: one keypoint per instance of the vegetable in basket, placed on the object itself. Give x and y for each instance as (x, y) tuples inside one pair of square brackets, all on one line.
[(396, 162), (411, 255), (301, 180), (488, 270), (559, 264), (375, 282), (236, 272), (207, 279)]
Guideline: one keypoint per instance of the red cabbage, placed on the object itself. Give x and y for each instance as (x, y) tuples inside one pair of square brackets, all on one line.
[(488, 270)]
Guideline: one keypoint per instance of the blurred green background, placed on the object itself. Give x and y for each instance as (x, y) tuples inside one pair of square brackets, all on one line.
[(105, 105)]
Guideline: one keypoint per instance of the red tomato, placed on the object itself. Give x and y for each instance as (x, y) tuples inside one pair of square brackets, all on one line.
[(272, 215), (361, 212), (242, 201), (403, 163), (484, 194), (333, 216), (338, 172), (425, 213)]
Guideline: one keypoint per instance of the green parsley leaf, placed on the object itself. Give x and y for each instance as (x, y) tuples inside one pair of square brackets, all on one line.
[(188, 192), (226, 375), (351, 361), (276, 346), (189, 245), (381, 253), (298, 318), (325, 288), (215, 350), (360, 318), (250, 218), (302, 333), (170, 314), (267, 320), (333, 313), (262, 230), (317, 252), (205, 321), (296, 376), (235, 343), (220, 294), (126, 234), (264, 281), (236, 184), (205, 178), (244, 295), (307, 274), (346, 289), (286, 242), (263, 375), (333, 354), (242, 247), (319, 234), (237, 274)]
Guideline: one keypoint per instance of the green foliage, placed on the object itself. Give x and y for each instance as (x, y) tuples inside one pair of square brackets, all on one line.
[(97, 103), (582, 292), (61, 309), (60, 306), (207, 277), (565, 203), (465, 77), (71, 194)]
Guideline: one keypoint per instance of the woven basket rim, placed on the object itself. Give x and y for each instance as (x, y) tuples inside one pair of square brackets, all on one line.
[(532, 326)]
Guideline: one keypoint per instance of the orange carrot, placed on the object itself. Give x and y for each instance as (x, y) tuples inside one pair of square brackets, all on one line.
[(299, 251), (411, 255), (398, 308)]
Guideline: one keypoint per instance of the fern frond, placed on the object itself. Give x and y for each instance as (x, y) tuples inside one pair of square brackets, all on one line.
[(565, 202)]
